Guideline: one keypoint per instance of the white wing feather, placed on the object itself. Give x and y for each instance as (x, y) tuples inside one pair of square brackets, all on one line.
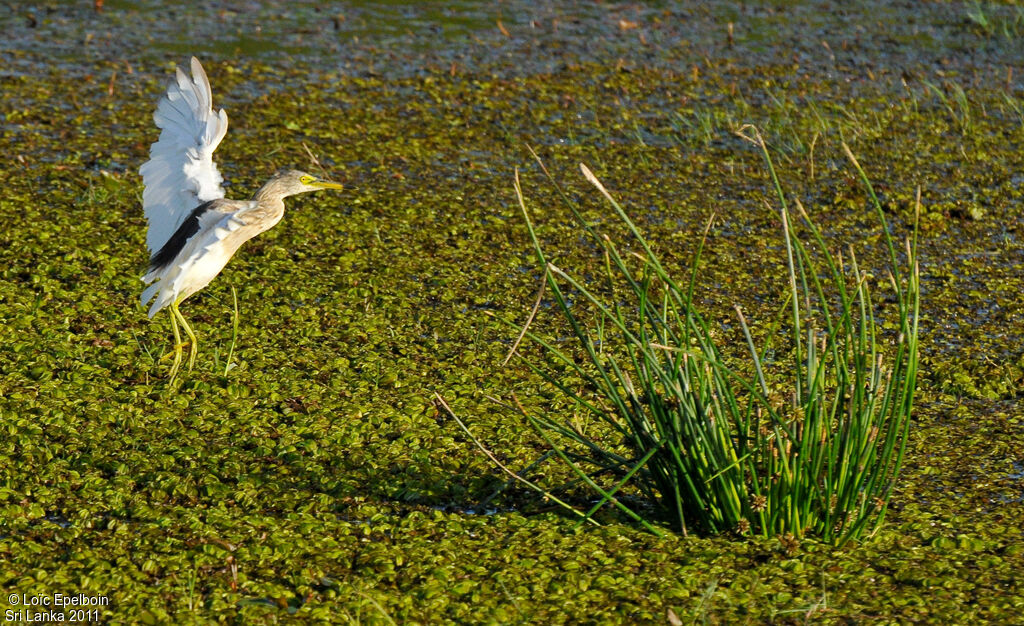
[(180, 174)]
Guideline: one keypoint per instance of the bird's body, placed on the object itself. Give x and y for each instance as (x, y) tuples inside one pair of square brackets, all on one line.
[(205, 242), (193, 230)]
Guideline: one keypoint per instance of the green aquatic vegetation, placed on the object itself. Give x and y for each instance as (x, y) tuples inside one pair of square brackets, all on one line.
[(317, 480), (814, 450), (956, 104), (995, 20)]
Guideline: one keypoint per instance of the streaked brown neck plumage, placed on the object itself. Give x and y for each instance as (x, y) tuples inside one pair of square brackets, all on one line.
[(274, 190)]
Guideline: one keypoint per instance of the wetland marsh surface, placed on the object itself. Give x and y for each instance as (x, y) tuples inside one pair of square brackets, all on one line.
[(316, 480)]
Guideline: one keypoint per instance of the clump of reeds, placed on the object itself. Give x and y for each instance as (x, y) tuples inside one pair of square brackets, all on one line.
[(726, 442)]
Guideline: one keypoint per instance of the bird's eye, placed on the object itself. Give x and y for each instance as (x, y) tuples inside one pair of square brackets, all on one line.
[(306, 180)]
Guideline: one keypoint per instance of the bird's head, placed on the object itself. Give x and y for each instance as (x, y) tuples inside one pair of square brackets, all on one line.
[(291, 182)]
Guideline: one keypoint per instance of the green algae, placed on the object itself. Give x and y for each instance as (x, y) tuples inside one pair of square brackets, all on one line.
[(306, 482)]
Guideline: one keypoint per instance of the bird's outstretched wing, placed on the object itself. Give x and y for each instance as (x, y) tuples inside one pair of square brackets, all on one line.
[(180, 174)]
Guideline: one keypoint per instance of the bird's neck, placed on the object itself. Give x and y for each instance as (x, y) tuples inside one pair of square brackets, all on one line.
[(273, 191), (269, 207), (267, 212)]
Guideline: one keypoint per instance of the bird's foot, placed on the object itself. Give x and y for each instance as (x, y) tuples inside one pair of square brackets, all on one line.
[(174, 367), (170, 355)]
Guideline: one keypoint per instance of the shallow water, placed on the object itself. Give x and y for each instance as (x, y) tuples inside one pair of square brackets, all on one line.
[(824, 40)]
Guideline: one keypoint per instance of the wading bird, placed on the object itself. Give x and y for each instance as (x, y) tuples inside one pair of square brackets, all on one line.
[(193, 229)]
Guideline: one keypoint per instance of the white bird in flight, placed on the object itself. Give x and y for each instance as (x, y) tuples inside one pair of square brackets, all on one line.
[(193, 229)]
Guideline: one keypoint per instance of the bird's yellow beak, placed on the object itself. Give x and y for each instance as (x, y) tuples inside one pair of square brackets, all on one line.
[(326, 184)]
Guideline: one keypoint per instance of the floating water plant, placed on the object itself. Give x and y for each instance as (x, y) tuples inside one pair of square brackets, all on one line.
[(716, 436)]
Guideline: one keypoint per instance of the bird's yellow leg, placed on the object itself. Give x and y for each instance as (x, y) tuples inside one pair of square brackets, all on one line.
[(177, 346), (193, 347)]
